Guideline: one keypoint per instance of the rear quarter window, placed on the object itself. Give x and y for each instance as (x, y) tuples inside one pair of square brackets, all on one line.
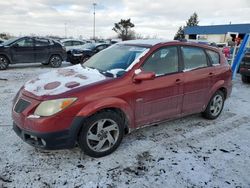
[(214, 57), (42, 42)]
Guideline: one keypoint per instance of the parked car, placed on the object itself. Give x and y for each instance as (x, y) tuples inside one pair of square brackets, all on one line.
[(120, 89), (245, 67), (1, 41), (31, 50), (71, 44), (82, 55)]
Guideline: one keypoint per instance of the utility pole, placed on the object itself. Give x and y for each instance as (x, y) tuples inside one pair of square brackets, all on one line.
[(65, 29), (94, 5)]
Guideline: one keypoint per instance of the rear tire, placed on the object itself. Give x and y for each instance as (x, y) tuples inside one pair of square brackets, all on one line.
[(101, 134), (55, 61), (245, 79), (215, 106), (4, 62)]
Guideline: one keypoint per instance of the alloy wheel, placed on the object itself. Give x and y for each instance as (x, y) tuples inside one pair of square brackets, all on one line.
[(55, 61), (102, 135), (216, 105), (3, 63)]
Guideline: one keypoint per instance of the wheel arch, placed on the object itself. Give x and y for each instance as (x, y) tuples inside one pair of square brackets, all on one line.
[(110, 104), (220, 85), (6, 56), (224, 91)]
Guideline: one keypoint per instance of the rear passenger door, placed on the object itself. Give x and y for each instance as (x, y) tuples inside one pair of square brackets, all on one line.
[(42, 47), (197, 79)]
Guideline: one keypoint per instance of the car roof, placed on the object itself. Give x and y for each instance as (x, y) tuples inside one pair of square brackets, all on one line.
[(144, 42), (66, 40), (152, 42)]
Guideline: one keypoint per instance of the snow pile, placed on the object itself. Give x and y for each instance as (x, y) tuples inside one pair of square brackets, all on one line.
[(63, 80)]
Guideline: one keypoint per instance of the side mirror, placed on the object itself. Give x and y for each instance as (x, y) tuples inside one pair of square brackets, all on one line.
[(144, 76)]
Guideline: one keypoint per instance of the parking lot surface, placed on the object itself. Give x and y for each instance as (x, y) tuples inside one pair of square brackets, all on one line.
[(188, 152)]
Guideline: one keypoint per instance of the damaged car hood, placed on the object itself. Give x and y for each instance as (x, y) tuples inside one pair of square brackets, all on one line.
[(63, 80)]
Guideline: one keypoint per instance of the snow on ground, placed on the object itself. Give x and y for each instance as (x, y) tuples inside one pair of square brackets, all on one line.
[(188, 152)]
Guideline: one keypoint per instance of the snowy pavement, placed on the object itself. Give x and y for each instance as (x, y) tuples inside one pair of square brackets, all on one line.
[(188, 152)]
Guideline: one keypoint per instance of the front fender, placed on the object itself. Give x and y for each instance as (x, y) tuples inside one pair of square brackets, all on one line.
[(111, 102)]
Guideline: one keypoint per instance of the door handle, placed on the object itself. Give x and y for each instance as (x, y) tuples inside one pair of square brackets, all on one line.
[(210, 74), (178, 81)]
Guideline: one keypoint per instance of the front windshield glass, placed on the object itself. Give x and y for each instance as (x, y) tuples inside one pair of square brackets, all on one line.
[(116, 57), (8, 42), (88, 46)]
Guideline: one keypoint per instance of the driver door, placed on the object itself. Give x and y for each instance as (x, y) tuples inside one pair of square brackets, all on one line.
[(160, 98), (23, 51)]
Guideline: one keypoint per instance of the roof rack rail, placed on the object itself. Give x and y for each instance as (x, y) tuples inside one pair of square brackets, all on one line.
[(183, 40), (213, 44)]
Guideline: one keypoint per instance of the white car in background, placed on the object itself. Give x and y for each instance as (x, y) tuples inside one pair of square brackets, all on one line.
[(1, 41), (71, 44)]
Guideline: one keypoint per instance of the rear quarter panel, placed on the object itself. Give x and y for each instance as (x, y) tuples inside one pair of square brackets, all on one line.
[(222, 78)]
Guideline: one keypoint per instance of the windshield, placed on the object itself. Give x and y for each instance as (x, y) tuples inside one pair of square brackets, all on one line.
[(88, 46), (8, 42), (117, 57)]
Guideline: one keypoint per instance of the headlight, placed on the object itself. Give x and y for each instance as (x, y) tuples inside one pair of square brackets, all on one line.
[(51, 107)]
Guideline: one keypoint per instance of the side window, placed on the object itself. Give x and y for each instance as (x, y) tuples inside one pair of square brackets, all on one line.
[(26, 42), (162, 61), (67, 43), (81, 43), (42, 42), (214, 56), (193, 58), (76, 43)]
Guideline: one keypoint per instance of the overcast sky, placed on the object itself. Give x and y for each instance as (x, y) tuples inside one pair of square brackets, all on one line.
[(159, 18)]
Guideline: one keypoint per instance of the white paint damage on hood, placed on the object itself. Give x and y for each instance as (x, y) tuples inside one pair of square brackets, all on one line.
[(63, 80)]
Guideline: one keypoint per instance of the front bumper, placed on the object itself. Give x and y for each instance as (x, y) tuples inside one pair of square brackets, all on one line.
[(75, 58), (64, 139)]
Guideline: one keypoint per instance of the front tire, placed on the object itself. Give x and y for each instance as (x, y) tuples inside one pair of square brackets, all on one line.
[(55, 61), (214, 106), (84, 59), (4, 62), (101, 134)]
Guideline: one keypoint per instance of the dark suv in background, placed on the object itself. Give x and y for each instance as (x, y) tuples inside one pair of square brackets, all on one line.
[(245, 67), (31, 50)]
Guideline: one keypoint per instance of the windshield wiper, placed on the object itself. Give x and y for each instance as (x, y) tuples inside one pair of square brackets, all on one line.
[(107, 74)]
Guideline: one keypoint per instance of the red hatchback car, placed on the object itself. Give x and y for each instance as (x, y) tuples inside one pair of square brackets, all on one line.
[(124, 87)]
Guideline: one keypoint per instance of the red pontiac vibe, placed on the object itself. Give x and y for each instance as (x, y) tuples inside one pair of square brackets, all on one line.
[(127, 86)]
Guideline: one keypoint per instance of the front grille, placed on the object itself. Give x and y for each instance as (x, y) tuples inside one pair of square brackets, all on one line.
[(21, 105)]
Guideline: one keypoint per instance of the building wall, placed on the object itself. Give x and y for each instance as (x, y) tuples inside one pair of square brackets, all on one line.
[(220, 38)]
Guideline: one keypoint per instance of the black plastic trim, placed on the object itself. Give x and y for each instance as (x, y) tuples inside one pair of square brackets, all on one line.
[(54, 140)]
